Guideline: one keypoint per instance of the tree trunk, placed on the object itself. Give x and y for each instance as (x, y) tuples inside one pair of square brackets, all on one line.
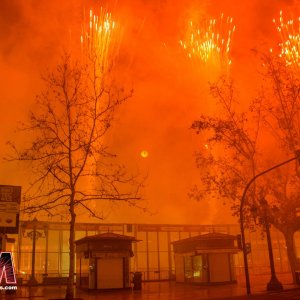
[(70, 286), (290, 247)]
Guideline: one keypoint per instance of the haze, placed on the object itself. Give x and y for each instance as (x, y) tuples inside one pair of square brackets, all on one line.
[(169, 90)]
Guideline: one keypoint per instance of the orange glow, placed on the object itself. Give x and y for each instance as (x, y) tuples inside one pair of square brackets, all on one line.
[(289, 33), (211, 41), (170, 90)]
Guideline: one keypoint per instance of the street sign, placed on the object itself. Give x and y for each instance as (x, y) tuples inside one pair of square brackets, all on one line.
[(10, 198)]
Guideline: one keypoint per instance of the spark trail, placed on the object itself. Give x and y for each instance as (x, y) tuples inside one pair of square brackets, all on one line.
[(210, 41), (99, 39), (289, 33)]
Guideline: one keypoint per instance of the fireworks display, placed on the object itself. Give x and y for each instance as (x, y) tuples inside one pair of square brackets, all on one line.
[(210, 41), (98, 40), (290, 39)]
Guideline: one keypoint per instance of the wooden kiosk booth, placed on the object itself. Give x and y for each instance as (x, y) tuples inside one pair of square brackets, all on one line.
[(103, 261), (205, 259)]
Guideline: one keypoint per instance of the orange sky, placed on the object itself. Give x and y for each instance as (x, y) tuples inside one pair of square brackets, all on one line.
[(169, 91)]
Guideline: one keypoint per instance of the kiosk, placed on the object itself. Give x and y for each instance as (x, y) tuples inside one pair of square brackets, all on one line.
[(103, 261), (205, 259)]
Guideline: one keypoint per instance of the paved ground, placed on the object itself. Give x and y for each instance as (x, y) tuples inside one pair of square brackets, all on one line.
[(166, 291), (284, 295)]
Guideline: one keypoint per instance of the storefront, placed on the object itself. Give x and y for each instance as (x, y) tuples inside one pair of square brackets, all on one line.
[(103, 261), (205, 259), (153, 255)]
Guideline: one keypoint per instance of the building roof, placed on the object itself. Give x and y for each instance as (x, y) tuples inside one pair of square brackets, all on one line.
[(207, 236), (108, 236)]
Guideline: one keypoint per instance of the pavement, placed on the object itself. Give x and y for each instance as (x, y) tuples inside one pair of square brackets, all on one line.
[(168, 290)]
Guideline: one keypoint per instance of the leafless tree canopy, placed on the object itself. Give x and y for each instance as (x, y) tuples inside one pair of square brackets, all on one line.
[(71, 165), (68, 154), (236, 150)]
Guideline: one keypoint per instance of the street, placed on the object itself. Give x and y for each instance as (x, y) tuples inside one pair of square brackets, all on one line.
[(158, 291)]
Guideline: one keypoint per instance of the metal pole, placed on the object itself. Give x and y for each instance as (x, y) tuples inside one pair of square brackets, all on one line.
[(46, 257), (33, 254), (32, 280), (274, 284), (242, 216), (243, 239)]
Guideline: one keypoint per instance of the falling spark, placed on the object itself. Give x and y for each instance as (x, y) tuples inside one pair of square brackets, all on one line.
[(289, 33), (99, 39), (211, 41)]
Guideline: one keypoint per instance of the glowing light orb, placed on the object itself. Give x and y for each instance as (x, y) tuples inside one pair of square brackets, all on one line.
[(144, 154)]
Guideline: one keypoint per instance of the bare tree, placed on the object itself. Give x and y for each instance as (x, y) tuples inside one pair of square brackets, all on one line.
[(235, 153), (228, 160), (70, 162), (281, 114), (281, 198), (280, 98)]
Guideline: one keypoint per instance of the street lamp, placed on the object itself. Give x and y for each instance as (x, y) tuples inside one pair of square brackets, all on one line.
[(274, 284), (34, 235), (242, 215)]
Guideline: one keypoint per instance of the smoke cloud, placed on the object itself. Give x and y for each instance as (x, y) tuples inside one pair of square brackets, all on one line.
[(169, 90)]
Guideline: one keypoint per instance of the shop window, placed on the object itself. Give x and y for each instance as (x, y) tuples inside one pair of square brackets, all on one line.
[(142, 261), (153, 261), (53, 241), (152, 241), (40, 262), (141, 246), (65, 262), (25, 265), (65, 241), (163, 241), (164, 260), (53, 261)]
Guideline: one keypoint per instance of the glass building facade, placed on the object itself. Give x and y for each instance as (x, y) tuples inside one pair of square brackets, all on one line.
[(153, 254)]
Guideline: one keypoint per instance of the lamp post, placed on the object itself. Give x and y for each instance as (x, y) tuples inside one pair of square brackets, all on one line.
[(274, 284), (34, 235), (242, 215)]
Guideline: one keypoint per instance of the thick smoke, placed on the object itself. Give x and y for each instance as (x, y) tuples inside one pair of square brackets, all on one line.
[(169, 91)]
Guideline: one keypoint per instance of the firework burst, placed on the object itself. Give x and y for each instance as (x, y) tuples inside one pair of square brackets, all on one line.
[(289, 33), (210, 41), (99, 40)]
